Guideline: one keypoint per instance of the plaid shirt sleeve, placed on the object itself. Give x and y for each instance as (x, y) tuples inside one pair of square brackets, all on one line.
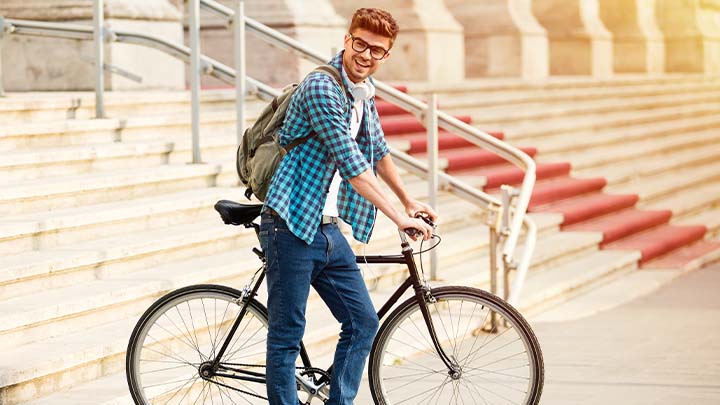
[(325, 107)]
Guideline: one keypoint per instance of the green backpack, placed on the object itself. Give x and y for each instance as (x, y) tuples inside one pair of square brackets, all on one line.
[(260, 153)]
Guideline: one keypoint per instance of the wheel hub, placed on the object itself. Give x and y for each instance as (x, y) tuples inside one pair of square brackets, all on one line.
[(455, 374), (206, 370)]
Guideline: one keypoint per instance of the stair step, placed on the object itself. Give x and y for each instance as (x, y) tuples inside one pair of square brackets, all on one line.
[(55, 312), (137, 128), (688, 201), (636, 151), (592, 124), (39, 270), (560, 188), (386, 108), (660, 186), (72, 191), (617, 290), (566, 144), (408, 125), (620, 172), (417, 143), (659, 240), (564, 87), (710, 217), (621, 224), (587, 206), (66, 226), (470, 157), (71, 160), (48, 106), (550, 250), (690, 257), (508, 174), (559, 283), (546, 111)]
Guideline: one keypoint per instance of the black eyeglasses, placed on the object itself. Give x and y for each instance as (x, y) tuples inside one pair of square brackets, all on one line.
[(359, 46)]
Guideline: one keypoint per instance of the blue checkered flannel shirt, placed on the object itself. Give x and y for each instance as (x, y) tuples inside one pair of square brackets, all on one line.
[(300, 185)]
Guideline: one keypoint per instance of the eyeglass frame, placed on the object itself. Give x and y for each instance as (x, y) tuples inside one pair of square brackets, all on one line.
[(367, 46)]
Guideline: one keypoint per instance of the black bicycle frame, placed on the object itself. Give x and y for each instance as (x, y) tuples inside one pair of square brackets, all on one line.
[(422, 295)]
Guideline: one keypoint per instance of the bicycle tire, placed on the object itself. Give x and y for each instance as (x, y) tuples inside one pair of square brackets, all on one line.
[(405, 368), (163, 328)]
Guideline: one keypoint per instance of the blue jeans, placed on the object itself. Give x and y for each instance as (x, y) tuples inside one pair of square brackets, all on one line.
[(328, 264)]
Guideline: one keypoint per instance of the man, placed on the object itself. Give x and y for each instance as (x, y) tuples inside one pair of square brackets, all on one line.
[(330, 176)]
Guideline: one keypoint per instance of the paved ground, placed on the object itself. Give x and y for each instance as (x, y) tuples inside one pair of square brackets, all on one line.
[(663, 348)]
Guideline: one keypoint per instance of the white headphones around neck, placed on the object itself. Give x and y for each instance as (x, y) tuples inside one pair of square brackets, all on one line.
[(363, 91), (360, 91)]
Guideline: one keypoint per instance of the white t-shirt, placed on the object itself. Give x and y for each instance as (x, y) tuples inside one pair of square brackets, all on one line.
[(332, 196)]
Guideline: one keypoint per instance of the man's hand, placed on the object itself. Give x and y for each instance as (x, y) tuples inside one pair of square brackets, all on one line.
[(416, 223), (413, 207)]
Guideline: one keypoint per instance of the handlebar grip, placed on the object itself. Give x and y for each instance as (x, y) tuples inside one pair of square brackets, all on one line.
[(412, 232)]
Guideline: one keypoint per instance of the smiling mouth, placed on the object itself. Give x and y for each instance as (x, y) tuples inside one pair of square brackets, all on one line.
[(361, 65)]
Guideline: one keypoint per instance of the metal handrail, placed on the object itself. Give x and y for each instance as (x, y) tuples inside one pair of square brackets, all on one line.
[(181, 52), (445, 121)]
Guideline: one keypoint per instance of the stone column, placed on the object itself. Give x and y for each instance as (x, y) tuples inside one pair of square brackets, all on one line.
[(312, 22), (37, 63), (430, 46), (502, 38), (692, 35), (637, 41), (579, 42)]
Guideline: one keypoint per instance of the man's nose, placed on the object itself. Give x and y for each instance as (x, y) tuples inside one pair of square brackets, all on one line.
[(363, 53)]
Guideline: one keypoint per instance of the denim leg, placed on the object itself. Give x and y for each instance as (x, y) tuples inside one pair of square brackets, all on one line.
[(340, 284), (290, 266)]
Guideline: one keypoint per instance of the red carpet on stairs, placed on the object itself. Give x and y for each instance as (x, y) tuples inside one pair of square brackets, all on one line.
[(581, 201)]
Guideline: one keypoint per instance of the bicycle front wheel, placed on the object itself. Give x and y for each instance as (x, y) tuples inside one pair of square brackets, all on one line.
[(497, 353), (181, 333)]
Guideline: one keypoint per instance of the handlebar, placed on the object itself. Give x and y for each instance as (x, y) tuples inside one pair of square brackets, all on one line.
[(412, 232)]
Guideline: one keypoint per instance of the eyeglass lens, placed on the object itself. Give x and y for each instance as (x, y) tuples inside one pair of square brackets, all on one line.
[(376, 52)]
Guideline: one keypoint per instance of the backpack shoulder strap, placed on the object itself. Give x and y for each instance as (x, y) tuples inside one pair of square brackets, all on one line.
[(331, 71)]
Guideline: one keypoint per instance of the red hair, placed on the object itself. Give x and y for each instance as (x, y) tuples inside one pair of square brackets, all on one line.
[(377, 21)]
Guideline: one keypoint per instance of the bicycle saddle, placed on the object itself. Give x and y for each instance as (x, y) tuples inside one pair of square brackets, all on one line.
[(233, 213)]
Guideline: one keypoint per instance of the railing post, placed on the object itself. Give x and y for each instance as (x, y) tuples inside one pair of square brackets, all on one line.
[(493, 269), (99, 42), (2, 38), (432, 150), (506, 195), (240, 82), (195, 71)]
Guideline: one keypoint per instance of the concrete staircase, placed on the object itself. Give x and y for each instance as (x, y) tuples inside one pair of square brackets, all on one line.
[(634, 159), (101, 217)]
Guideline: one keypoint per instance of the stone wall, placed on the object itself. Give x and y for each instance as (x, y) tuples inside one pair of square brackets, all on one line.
[(38, 63)]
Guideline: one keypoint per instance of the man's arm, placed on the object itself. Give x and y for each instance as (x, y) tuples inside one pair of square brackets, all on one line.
[(388, 173), (325, 109), (366, 185)]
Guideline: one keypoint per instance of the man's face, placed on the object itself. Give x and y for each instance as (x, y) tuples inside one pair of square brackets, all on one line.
[(361, 64)]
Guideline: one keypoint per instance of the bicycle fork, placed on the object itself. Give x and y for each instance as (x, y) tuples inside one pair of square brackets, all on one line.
[(424, 296)]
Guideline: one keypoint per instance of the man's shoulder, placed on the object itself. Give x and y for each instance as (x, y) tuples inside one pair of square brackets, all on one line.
[(320, 84)]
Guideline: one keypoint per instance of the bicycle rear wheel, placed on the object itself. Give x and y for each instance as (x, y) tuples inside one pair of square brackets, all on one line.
[(498, 354), (184, 330)]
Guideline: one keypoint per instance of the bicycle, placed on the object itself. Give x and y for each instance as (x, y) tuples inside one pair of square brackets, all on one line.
[(474, 347)]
